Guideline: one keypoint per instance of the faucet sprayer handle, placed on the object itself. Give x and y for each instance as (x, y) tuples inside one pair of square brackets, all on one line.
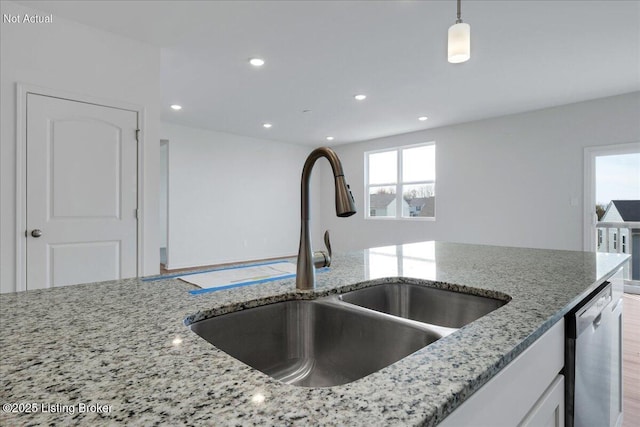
[(327, 243), (322, 258)]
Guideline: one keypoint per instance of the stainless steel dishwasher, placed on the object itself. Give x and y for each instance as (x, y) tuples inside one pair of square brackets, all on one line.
[(593, 360)]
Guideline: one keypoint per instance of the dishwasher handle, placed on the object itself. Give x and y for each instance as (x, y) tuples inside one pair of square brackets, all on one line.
[(597, 320), (590, 315)]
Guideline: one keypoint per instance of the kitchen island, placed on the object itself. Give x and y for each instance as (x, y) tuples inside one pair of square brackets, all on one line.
[(120, 351)]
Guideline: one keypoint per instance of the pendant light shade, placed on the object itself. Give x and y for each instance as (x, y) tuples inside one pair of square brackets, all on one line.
[(459, 49), (459, 43)]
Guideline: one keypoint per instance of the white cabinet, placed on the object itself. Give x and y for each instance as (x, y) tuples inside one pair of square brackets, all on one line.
[(529, 391), (549, 410)]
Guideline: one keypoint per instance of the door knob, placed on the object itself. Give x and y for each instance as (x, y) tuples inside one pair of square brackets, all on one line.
[(36, 233)]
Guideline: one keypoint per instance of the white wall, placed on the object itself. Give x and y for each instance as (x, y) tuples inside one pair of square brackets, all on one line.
[(231, 198), (515, 180), (75, 58)]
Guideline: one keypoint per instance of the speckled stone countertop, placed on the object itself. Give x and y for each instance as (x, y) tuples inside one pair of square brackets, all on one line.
[(119, 352)]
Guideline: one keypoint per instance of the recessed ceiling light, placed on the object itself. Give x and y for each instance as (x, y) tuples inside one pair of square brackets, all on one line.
[(176, 107), (330, 138), (423, 118), (256, 62), (266, 125), (360, 97)]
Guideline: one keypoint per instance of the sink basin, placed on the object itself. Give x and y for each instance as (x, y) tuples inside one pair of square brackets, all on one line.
[(428, 305), (313, 343)]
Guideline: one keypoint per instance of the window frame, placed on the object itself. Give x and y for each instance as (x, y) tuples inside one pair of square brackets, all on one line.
[(398, 184)]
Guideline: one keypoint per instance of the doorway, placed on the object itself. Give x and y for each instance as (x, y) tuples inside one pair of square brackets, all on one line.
[(611, 173), (164, 204), (612, 205), (80, 190)]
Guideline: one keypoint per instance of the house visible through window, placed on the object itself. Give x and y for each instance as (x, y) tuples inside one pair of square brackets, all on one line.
[(400, 182)]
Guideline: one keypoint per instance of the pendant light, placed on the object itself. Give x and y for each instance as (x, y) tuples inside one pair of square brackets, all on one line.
[(459, 41)]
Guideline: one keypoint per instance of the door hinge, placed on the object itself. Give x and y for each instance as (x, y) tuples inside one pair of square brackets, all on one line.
[(136, 213), (138, 135)]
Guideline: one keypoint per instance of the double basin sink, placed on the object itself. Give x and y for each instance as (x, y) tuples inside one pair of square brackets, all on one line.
[(341, 338)]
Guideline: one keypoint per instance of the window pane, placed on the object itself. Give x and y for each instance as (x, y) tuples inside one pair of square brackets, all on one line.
[(420, 200), (419, 164), (383, 167), (382, 201)]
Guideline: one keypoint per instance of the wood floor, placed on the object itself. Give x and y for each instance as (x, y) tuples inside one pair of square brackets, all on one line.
[(631, 360)]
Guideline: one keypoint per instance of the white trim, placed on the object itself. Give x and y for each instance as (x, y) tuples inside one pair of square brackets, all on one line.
[(166, 207), (590, 154), (142, 116), (399, 183), (22, 90), (21, 200)]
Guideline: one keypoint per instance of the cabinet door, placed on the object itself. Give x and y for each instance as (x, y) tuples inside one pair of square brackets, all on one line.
[(549, 409)]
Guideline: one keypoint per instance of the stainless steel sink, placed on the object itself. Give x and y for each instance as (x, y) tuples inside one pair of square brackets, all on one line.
[(341, 338), (424, 304), (317, 343)]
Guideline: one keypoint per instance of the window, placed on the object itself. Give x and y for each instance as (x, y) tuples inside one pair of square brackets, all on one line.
[(624, 244), (401, 182), (615, 241)]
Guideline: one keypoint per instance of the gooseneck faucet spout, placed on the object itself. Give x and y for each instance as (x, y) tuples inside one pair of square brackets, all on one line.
[(345, 206)]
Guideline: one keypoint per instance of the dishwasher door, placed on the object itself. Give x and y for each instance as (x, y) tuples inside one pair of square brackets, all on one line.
[(593, 361)]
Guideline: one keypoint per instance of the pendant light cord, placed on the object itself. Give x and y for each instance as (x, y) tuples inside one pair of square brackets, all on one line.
[(459, 20)]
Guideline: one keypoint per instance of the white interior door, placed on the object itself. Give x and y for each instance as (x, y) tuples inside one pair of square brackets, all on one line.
[(81, 192)]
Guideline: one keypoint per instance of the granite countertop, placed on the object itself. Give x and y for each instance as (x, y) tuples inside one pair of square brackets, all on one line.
[(119, 352)]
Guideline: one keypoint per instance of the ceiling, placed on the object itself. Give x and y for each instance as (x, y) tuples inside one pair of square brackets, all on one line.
[(525, 55)]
